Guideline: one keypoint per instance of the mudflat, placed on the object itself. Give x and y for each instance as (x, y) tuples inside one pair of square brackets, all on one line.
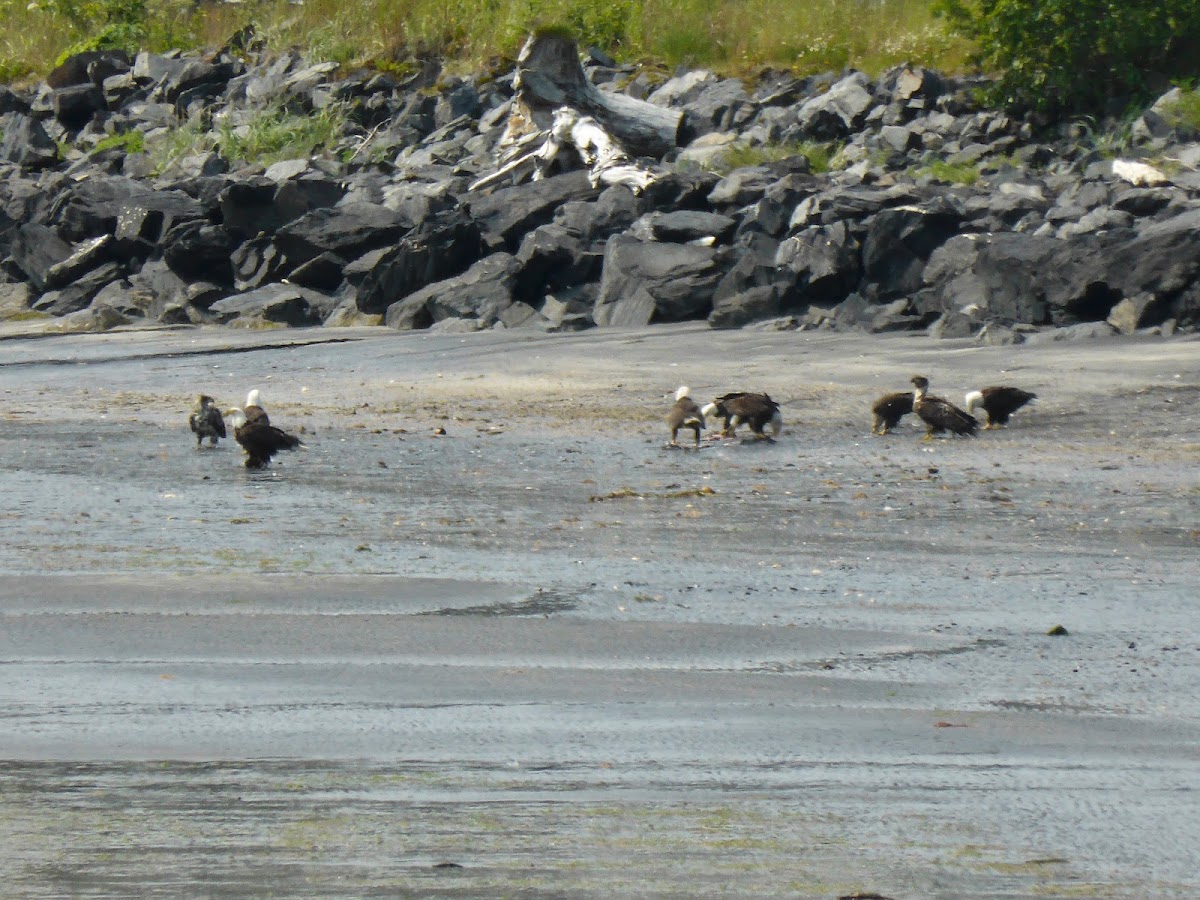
[(488, 635)]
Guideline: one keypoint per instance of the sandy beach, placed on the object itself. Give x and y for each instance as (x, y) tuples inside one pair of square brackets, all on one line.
[(544, 654)]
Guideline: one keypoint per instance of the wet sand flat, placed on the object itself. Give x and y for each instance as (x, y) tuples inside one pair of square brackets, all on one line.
[(543, 654)]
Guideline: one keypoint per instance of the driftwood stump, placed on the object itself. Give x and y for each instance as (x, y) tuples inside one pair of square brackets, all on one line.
[(556, 107)]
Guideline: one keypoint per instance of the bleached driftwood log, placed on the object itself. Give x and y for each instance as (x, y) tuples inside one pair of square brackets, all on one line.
[(607, 162), (556, 106)]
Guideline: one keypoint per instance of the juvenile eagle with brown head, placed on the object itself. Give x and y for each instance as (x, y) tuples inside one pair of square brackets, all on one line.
[(206, 421), (939, 414)]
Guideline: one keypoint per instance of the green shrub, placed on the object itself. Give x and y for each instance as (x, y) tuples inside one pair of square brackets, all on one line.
[(1077, 55)]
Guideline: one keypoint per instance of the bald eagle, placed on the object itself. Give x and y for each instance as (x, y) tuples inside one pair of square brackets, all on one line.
[(206, 421), (999, 403), (261, 440), (686, 413), (940, 415), (758, 411), (254, 412), (889, 410)]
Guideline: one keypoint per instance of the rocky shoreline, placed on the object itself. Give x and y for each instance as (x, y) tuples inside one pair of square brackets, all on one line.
[(937, 214)]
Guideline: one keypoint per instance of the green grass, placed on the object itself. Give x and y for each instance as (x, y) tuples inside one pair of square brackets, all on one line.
[(129, 141), (731, 36), (272, 135), (821, 156), (279, 134), (952, 173)]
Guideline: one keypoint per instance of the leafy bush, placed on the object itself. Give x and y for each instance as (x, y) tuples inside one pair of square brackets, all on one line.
[(1077, 55), (102, 24)]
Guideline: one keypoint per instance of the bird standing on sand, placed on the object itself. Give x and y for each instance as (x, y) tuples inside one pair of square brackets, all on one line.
[(758, 411), (999, 403), (261, 440), (889, 410), (206, 421), (939, 414), (686, 413)]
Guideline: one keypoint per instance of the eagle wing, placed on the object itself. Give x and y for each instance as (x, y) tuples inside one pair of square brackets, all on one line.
[(261, 442), (945, 416)]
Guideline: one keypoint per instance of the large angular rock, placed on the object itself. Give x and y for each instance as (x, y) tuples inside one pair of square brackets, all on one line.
[(481, 293), (349, 231), (751, 305), (838, 112), (297, 196), (84, 257), (36, 250), (1000, 278), (26, 143), (595, 221), (680, 278), (258, 262), (15, 300), (899, 241), (439, 248), (136, 214), (826, 260), (280, 303), (552, 258), (198, 251), (79, 293), (507, 215), (684, 226), (248, 207)]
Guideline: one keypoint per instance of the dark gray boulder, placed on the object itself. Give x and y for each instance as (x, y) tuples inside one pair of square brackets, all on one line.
[(899, 242), (1000, 278), (684, 226), (826, 261), (26, 143), (135, 213), (680, 278), (248, 207), (79, 293), (437, 249), (199, 251), (751, 305), (595, 221), (36, 250), (349, 231), (84, 257), (839, 111), (284, 304), (505, 216), (321, 273), (481, 293), (297, 196), (553, 257), (258, 262)]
